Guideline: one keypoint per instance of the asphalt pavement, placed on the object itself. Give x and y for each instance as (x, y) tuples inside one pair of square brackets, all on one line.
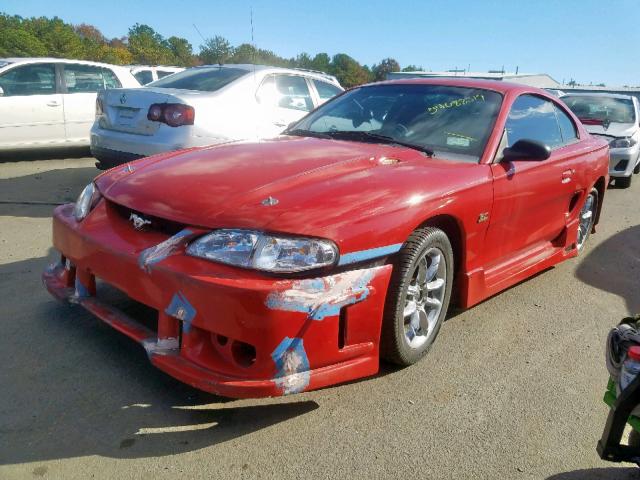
[(512, 388)]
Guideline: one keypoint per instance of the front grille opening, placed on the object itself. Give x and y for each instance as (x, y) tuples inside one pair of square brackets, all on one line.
[(168, 227), (243, 354), (137, 311)]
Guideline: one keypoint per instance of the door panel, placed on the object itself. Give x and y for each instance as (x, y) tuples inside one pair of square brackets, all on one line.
[(532, 197), (82, 83), (283, 99), (31, 110)]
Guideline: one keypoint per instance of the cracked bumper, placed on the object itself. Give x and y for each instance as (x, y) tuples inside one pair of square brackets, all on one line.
[(223, 330)]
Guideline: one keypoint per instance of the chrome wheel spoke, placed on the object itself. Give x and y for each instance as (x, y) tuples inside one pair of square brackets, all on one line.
[(585, 220), (433, 303), (434, 267), (436, 284), (410, 309)]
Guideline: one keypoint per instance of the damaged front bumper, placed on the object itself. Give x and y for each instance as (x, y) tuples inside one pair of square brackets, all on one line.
[(228, 331)]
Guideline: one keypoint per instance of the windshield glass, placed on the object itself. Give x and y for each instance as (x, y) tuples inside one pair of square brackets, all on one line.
[(439, 118), (598, 110), (204, 79)]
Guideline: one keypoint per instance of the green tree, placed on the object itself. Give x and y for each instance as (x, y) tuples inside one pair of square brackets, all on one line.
[(412, 68), (182, 51), (321, 62), (385, 67), (348, 71), (149, 47), (244, 53), (303, 60), (216, 50), (59, 38)]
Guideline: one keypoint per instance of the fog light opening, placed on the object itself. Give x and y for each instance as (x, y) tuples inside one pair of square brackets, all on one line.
[(243, 353), (222, 340)]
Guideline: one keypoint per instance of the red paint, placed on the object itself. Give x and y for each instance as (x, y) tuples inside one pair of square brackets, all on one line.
[(329, 189)]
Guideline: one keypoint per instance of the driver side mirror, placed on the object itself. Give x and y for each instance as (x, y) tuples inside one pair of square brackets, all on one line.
[(526, 150)]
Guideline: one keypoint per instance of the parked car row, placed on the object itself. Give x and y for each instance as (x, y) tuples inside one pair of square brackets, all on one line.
[(48, 102)]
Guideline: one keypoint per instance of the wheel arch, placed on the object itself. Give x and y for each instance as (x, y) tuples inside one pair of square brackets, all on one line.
[(452, 227), (601, 187)]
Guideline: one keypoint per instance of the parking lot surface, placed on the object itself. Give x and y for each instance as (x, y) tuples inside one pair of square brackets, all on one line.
[(512, 388)]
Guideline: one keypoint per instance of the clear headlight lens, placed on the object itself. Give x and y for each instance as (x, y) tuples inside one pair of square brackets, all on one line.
[(86, 201), (250, 249), (625, 142)]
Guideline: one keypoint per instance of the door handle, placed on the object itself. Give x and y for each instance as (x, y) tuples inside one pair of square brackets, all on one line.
[(53, 103), (280, 123), (567, 175)]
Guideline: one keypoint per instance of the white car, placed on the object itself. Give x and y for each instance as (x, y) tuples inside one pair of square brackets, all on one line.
[(146, 74), (47, 102), (204, 106), (616, 118)]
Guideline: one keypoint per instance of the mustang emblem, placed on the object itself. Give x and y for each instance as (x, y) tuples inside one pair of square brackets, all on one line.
[(138, 221), (123, 98)]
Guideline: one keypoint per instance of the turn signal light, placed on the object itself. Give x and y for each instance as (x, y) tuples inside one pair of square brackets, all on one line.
[(173, 114)]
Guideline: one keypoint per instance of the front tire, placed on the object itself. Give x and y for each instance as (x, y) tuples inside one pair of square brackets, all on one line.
[(624, 182), (418, 296)]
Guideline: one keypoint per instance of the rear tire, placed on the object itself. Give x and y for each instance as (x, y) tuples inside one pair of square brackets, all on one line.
[(637, 169), (624, 182), (586, 219), (418, 296)]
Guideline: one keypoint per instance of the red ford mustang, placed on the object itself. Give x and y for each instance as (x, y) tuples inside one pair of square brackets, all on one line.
[(293, 264)]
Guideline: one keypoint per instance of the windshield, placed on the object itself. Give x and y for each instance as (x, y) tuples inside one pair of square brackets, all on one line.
[(433, 118), (600, 110), (204, 79)]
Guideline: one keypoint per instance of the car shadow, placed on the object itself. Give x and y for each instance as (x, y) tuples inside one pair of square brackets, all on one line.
[(613, 473), (72, 386), (37, 194), (49, 153), (614, 266)]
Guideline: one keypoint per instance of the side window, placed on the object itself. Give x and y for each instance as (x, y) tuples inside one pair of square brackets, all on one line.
[(163, 73), (533, 118), (144, 76), (293, 93), (88, 78), (326, 90), (567, 127), (35, 79)]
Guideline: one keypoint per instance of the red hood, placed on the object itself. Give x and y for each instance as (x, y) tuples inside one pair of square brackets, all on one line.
[(316, 183)]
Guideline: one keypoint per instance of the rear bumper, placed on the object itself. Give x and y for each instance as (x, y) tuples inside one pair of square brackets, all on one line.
[(114, 145), (220, 329)]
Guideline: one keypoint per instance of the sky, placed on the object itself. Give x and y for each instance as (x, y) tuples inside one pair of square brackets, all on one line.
[(586, 40)]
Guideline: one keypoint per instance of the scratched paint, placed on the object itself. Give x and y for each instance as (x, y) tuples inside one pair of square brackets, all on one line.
[(161, 251), (161, 346), (181, 309), (292, 366), (325, 296)]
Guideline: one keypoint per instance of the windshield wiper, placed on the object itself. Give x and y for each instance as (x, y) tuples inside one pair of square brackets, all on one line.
[(377, 138), (301, 132)]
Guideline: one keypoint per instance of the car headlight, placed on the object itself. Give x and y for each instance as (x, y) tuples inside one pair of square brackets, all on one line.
[(624, 142), (251, 249), (86, 201)]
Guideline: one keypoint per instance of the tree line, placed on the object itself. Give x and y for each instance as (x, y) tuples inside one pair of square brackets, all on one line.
[(52, 37)]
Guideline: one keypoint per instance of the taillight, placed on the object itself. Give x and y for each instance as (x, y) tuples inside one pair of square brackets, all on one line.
[(173, 114), (99, 109)]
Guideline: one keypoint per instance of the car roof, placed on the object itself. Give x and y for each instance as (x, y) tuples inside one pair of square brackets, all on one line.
[(495, 85), (597, 94), (15, 60)]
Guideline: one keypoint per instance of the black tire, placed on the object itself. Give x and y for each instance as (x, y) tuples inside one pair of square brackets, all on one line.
[(624, 182), (596, 196), (637, 169), (394, 346)]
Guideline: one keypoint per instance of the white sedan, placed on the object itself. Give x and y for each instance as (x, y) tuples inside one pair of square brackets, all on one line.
[(204, 106), (49, 102)]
